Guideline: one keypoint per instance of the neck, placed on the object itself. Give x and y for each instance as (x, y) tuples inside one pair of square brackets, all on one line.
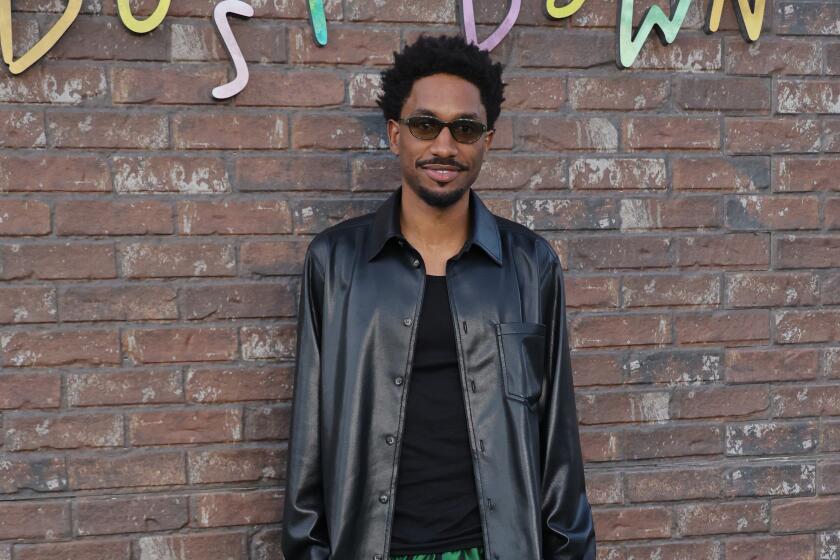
[(431, 228)]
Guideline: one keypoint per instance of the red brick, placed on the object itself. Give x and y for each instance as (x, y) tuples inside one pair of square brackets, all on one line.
[(652, 290), (176, 174), (675, 551), (804, 251), (619, 174), (771, 438), (106, 217), (632, 523), (166, 427), (749, 365), (612, 407), (571, 213), (604, 488), (623, 92), (125, 386), (199, 41), (737, 174), (771, 135), (795, 327), (24, 217), (673, 441), (688, 53), (282, 88), (724, 94), (806, 18), (729, 327), (179, 344), (534, 92), (118, 303), (793, 547), (596, 368), (808, 96), (610, 253), (45, 348), (108, 129), (734, 517), (32, 304), (66, 431), (726, 250), (512, 171), (126, 470), (56, 261), (59, 83), (550, 49), (364, 88), (80, 550), (554, 133), (806, 514), (24, 390), (338, 132), (829, 477), (194, 546), (662, 485), (271, 341), (591, 292), (758, 212), (112, 42), (620, 330), (716, 402), (58, 173), (166, 84), (601, 445), (182, 259), (129, 514), (267, 423), (236, 301), (670, 133), (40, 473), (269, 258), (347, 45), (219, 130), (34, 520), (773, 55), (257, 464), (810, 400), (770, 289), (674, 367), (241, 384), (313, 215), (796, 174), (234, 217), (771, 480), (299, 172), (224, 509), (21, 129)]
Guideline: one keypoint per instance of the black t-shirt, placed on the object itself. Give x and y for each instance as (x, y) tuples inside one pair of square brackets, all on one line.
[(436, 508)]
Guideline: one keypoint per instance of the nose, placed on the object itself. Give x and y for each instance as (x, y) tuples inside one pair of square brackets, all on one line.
[(444, 145)]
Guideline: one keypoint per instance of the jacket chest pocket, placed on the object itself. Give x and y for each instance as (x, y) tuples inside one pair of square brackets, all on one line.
[(522, 355)]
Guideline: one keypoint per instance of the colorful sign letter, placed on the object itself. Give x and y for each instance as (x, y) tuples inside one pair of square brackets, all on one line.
[(666, 28), (749, 19), (224, 8), (468, 19), (43, 45), (559, 13), (319, 21), (144, 25)]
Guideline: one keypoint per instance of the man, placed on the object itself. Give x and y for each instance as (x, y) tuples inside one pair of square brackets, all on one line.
[(433, 415)]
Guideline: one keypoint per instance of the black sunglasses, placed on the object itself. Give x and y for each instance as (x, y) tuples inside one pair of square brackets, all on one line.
[(425, 127)]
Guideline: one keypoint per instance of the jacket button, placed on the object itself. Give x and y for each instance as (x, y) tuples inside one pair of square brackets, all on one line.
[(407, 322), (415, 263), (379, 556), (383, 498), (398, 381), (389, 440)]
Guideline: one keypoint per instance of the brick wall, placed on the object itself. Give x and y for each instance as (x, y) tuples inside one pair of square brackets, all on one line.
[(151, 241)]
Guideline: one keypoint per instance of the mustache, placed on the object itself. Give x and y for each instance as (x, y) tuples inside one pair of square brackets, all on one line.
[(442, 161)]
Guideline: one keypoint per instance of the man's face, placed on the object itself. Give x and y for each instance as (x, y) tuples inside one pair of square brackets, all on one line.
[(441, 170)]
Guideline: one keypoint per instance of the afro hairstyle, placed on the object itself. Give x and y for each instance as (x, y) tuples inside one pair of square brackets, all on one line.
[(441, 55)]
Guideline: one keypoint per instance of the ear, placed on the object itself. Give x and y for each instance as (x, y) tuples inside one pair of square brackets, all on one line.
[(488, 138), (394, 136)]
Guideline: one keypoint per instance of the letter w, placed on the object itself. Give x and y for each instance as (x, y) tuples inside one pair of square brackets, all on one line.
[(667, 29)]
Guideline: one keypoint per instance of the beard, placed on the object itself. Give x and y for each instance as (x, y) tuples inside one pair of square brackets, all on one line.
[(439, 198)]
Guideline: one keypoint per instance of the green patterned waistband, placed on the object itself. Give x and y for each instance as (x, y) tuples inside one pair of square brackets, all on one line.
[(476, 553)]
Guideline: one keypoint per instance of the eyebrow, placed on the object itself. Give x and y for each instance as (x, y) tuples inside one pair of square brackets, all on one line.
[(433, 114)]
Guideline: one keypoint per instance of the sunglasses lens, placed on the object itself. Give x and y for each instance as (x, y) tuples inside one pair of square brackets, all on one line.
[(466, 131), (424, 128)]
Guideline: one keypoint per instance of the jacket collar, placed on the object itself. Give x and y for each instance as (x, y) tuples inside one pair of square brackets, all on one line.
[(484, 230)]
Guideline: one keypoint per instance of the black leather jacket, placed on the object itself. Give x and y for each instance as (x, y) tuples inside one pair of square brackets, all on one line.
[(360, 300)]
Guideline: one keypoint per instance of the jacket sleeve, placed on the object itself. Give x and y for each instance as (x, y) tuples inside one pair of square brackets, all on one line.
[(304, 535), (567, 526)]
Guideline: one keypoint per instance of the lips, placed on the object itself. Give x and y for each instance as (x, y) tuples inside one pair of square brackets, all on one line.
[(441, 174)]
